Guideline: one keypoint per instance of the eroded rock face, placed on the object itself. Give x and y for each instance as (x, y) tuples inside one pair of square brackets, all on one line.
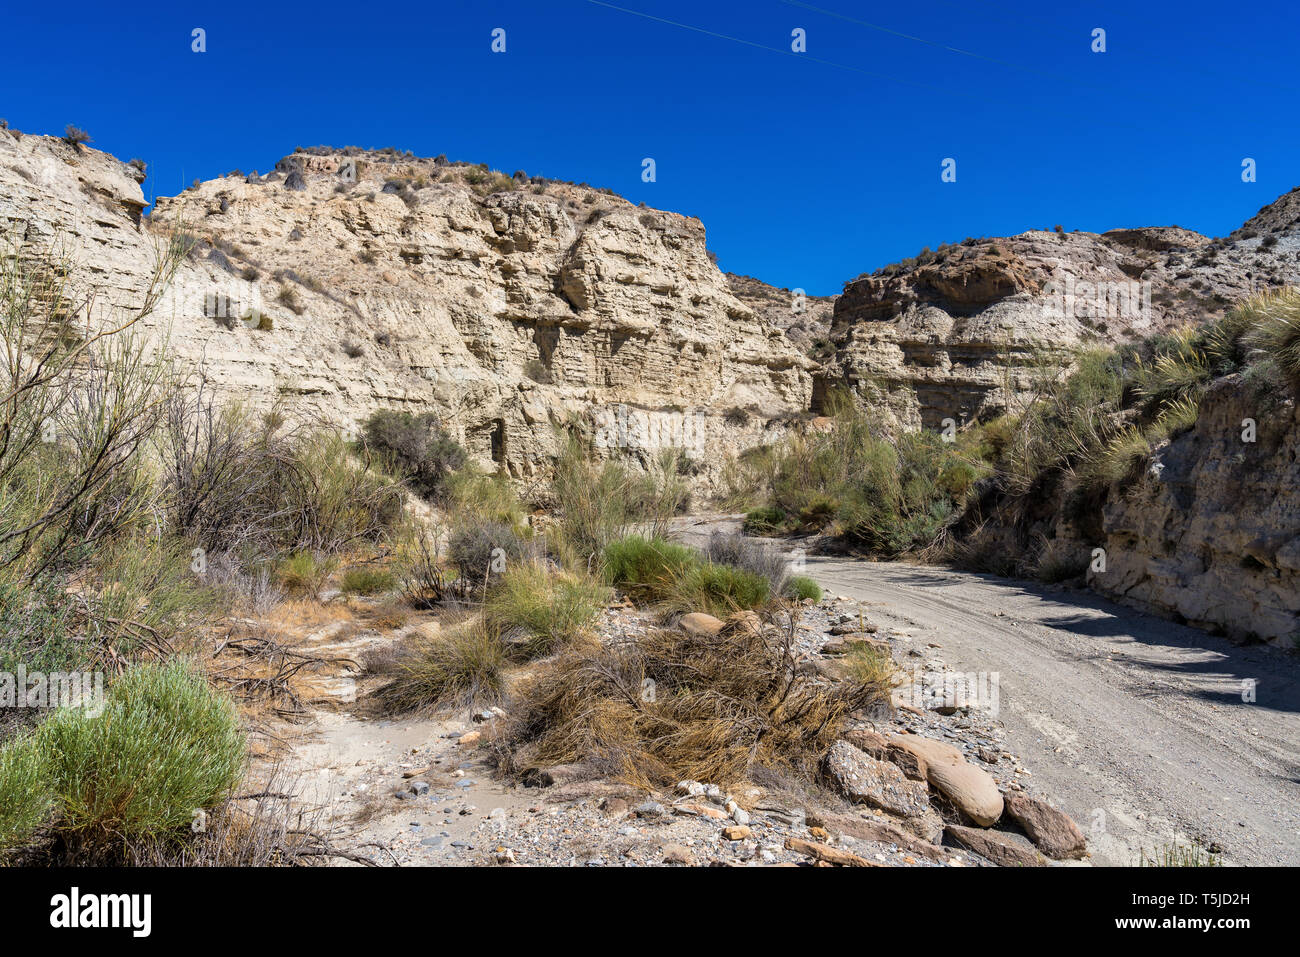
[(968, 331), (508, 313), (1214, 538)]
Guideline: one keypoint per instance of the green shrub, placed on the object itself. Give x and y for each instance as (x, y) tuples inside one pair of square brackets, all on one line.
[(595, 499), (853, 480), (647, 566), (550, 609), (304, 573), (738, 551), (802, 587), (166, 745), (26, 801), (38, 627), (368, 581), (716, 589), (151, 583), (763, 520), (490, 498), (481, 551), (333, 502), (601, 501), (419, 445)]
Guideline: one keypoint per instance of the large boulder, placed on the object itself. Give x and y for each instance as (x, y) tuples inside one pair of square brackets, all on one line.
[(881, 785), (1053, 832), (971, 790)]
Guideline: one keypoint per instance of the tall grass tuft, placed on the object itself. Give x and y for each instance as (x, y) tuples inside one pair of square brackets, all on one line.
[(461, 667), (545, 609), (26, 801), (1273, 330)]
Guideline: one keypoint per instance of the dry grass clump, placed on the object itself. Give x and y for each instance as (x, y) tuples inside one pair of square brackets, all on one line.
[(1272, 321), (390, 616), (670, 707), (461, 667), (1059, 561), (869, 667)]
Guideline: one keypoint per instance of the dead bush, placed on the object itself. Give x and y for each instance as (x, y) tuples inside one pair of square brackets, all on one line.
[(670, 707)]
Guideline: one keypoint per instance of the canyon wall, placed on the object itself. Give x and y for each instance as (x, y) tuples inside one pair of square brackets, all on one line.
[(341, 283)]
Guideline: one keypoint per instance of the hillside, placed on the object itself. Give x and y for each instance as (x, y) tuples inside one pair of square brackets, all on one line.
[(508, 307)]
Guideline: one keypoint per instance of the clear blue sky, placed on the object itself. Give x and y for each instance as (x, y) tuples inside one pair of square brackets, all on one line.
[(806, 169)]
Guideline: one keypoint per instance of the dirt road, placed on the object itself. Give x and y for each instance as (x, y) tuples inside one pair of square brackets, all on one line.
[(1143, 730)]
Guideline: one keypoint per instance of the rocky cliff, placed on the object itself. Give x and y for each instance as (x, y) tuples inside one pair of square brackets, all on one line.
[(1211, 533), (965, 331), (346, 281)]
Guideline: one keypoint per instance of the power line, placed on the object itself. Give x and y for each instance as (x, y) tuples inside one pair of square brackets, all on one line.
[(791, 53), (942, 46)]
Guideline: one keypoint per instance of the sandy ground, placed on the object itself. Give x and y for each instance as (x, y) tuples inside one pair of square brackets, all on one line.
[(1140, 729)]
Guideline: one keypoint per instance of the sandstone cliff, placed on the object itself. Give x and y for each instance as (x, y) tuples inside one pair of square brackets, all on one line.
[(348, 281), (962, 332), (1211, 534)]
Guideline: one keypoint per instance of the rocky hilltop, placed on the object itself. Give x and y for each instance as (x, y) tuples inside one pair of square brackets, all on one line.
[(346, 281), (962, 332)]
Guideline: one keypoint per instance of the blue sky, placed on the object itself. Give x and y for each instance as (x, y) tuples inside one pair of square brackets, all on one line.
[(807, 169)]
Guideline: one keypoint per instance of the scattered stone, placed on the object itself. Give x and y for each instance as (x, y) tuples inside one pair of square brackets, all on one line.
[(677, 854), (826, 854), (853, 627), (1000, 847), (469, 739), (690, 788), (842, 646), (794, 817), (648, 809), (615, 806), (737, 832), (419, 788)]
